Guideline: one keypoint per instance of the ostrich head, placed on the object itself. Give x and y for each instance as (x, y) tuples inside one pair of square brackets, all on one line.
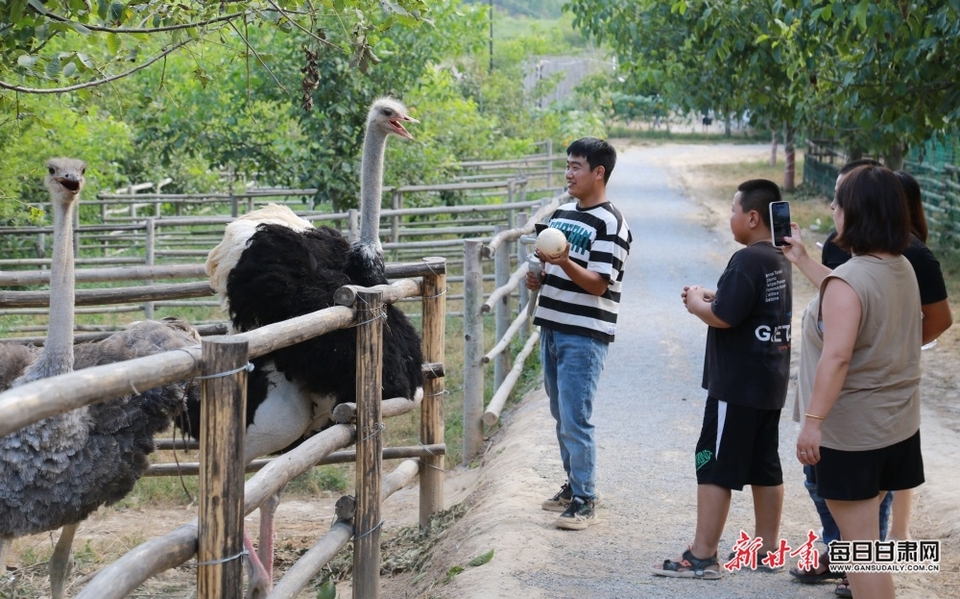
[(387, 115), (386, 118), (64, 180)]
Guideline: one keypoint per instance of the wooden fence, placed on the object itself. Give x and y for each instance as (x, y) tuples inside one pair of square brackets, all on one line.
[(225, 498), (508, 324), (509, 230), (158, 262)]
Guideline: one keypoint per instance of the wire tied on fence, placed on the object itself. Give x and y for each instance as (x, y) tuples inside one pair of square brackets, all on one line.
[(438, 393), (248, 367), (432, 454), (382, 314), (372, 431), (375, 528), (224, 560), (442, 293)]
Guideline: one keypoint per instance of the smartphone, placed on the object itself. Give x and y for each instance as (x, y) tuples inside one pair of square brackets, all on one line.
[(780, 222)]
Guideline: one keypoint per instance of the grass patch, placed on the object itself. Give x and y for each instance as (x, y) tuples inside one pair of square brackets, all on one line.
[(808, 208), (680, 132)]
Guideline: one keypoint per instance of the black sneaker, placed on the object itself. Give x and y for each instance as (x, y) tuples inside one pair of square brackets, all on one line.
[(578, 515), (560, 501)]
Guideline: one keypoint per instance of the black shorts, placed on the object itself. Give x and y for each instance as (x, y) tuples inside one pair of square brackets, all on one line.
[(738, 446), (860, 475)]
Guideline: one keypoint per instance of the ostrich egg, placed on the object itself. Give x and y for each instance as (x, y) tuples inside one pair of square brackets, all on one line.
[(551, 242)]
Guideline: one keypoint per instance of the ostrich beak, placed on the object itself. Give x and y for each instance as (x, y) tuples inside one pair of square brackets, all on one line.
[(398, 128), (69, 183)]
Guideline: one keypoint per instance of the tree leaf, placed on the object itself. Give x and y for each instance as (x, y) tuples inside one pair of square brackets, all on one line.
[(327, 590), (482, 559), (26, 61)]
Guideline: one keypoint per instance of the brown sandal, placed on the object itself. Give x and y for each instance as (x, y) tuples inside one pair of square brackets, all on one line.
[(843, 589), (813, 576), (690, 567)]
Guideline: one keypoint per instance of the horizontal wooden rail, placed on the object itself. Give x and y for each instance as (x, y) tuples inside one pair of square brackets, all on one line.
[(118, 295), (40, 399), (122, 577), (309, 565), (338, 457), (96, 275), (492, 413)]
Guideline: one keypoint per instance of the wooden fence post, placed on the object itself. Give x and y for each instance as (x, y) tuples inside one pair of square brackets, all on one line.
[(395, 221), (524, 299), (220, 532), (431, 410), (151, 252), (473, 365), (367, 522), (353, 224), (501, 270)]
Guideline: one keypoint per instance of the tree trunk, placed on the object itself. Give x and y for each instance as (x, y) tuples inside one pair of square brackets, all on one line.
[(894, 156), (773, 147), (790, 158)]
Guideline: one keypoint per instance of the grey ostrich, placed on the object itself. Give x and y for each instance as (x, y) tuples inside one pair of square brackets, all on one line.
[(56, 472), (14, 359), (273, 265)]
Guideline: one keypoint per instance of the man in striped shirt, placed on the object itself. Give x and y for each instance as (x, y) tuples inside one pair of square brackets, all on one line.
[(577, 315)]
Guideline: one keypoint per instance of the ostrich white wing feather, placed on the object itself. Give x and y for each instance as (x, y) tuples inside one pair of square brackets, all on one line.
[(224, 257)]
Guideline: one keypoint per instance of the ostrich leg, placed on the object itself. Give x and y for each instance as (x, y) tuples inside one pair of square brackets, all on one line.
[(5, 544), (261, 562), (265, 552), (61, 561), (259, 582)]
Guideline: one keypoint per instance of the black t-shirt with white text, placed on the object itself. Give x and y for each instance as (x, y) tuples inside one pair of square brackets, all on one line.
[(748, 364)]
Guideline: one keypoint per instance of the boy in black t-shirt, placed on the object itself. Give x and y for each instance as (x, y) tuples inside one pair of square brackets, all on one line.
[(745, 373)]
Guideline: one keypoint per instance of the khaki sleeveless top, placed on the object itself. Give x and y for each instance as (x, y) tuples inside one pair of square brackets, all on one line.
[(879, 404)]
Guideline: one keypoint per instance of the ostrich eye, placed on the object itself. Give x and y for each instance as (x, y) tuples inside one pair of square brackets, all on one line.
[(388, 111), (51, 170)]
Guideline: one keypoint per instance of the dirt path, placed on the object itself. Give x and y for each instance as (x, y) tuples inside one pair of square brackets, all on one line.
[(648, 415)]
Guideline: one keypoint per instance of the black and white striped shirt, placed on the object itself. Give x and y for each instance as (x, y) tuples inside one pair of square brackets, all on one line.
[(599, 241)]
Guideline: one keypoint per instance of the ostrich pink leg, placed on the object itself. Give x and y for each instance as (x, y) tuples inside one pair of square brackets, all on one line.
[(261, 561), (259, 582), (267, 511)]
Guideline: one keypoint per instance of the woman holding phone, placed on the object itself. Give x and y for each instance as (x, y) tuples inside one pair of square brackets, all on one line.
[(862, 437)]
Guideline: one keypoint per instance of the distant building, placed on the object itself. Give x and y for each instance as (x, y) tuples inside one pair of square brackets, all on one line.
[(574, 69)]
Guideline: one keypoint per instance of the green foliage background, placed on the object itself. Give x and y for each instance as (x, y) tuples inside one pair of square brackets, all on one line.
[(265, 98)]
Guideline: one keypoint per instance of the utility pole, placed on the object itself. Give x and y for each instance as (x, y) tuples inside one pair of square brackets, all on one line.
[(490, 70)]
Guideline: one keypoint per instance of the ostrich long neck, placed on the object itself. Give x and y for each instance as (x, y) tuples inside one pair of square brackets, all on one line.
[(58, 350), (371, 187)]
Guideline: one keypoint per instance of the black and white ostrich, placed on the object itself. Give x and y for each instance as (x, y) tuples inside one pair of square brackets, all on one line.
[(56, 472), (272, 266)]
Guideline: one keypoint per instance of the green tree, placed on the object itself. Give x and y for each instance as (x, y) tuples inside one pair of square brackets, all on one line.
[(881, 73), (698, 55), (877, 73)]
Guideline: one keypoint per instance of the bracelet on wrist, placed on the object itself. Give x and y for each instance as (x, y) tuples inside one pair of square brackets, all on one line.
[(814, 416)]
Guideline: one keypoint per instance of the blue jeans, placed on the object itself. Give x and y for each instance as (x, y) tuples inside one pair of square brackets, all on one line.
[(571, 370), (831, 532)]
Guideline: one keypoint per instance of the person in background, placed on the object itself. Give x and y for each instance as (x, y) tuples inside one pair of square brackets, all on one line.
[(937, 318), (862, 438), (745, 372), (577, 315)]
